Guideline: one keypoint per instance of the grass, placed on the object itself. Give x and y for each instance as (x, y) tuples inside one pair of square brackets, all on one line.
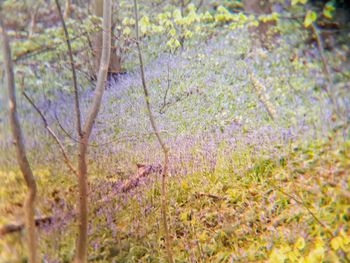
[(248, 208)]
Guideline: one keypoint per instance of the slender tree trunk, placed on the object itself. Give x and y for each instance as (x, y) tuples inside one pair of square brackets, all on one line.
[(262, 35), (67, 9), (81, 253), (115, 59), (82, 242), (74, 75), (33, 16), (160, 140), (23, 163)]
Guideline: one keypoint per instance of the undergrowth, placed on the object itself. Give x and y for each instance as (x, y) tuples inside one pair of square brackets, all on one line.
[(294, 207)]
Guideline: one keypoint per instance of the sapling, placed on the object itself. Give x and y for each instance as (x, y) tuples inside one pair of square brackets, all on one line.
[(160, 140), (18, 141)]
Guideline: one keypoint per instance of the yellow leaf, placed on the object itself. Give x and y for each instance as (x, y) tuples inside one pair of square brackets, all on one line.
[(222, 10), (177, 14), (316, 255), (336, 243), (128, 21), (309, 18), (277, 256), (177, 43), (172, 32), (327, 14), (295, 2), (293, 256), (127, 31), (206, 16), (157, 29), (183, 216), (329, 7), (188, 34), (191, 7), (184, 185), (203, 236), (345, 236), (253, 23), (300, 243)]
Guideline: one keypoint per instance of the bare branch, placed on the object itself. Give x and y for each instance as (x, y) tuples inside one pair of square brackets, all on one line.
[(215, 197), (302, 203), (142, 171), (52, 133), (325, 69), (13, 227), (258, 87), (75, 83)]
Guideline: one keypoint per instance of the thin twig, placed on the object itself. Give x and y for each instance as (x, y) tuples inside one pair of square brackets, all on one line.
[(215, 197), (302, 203), (168, 88), (52, 133), (258, 87), (325, 69), (75, 83), (64, 130), (13, 227), (199, 5)]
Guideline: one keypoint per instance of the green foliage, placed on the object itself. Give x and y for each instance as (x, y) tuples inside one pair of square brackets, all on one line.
[(310, 17), (328, 10), (295, 2)]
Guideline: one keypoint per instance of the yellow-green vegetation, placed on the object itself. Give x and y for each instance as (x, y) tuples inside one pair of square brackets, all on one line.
[(291, 209)]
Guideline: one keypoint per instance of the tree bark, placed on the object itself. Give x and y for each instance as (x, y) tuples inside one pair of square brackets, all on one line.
[(115, 59), (18, 141), (67, 9), (13, 227), (81, 246), (262, 35)]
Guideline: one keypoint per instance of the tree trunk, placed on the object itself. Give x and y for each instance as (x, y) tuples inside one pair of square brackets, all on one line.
[(82, 242), (262, 35), (115, 59), (20, 149), (33, 17), (67, 9)]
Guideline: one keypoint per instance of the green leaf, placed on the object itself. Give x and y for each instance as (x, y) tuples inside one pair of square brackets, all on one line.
[(126, 31), (310, 17), (329, 6), (327, 14), (328, 10), (295, 2)]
